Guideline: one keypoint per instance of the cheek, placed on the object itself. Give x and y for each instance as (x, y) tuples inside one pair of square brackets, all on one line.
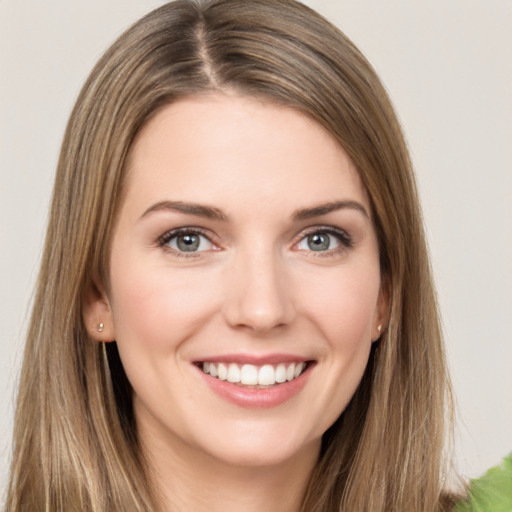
[(341, 305), (156, 307), (344, 304)]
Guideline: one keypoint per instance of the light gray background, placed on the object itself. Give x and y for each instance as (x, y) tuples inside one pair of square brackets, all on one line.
[(448, 67)]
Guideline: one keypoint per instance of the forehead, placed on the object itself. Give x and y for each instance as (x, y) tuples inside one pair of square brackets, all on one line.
[(222, 147)]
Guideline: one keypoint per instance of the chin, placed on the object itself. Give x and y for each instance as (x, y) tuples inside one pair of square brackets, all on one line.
[(262, 449)]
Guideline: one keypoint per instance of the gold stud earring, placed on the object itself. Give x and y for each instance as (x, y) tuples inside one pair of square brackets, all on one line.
[(379, 328), (100, 327)]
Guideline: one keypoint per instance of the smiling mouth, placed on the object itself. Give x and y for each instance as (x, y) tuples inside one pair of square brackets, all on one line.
[(250, 375)]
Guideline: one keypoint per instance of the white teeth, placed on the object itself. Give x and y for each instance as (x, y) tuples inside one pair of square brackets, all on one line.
[(281, 373), (222, 371), (266, 375), (252, 375), (249, 375), (233, 373)]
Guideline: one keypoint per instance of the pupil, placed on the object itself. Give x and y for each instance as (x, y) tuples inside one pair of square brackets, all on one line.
[(188, 243), (318, 242)]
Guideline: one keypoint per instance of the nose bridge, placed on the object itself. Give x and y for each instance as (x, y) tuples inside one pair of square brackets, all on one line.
[(258, 293)]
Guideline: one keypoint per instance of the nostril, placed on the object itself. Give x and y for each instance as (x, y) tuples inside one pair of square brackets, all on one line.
[(260, 317), (257, 296)]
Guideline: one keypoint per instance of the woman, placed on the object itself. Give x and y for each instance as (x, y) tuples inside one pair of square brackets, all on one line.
[(235, 207)]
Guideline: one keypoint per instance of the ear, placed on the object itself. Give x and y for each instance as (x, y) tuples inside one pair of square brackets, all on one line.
[(97, 313), (381, 319)]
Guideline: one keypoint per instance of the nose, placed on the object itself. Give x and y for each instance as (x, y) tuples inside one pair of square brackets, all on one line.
[(258, 295)]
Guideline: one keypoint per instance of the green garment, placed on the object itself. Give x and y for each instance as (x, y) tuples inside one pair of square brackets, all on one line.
[(491, 492)]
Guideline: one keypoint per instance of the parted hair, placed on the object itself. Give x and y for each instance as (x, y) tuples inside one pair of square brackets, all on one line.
[(75, 440)]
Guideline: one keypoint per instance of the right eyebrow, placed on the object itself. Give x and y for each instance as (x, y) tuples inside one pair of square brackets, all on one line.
[(325, 208), (199, 210)]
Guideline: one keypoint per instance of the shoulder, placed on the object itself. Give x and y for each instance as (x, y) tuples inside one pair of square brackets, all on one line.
[(491, 492)]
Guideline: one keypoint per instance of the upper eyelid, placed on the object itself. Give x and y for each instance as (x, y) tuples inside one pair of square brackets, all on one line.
[(325, 228), (346, 242), (171, 233)]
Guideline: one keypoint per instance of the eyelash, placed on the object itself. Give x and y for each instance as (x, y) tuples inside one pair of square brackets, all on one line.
[(341, 236), (345, 240), (174, 233)]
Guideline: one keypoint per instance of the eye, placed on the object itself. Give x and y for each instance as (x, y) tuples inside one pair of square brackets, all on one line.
[(186, 241), (323, 240)]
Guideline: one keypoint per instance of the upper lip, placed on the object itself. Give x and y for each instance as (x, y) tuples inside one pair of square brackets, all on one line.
[(256, 360)]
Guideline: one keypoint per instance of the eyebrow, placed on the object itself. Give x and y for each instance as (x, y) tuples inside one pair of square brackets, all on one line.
[(209, 212), (325, 208), (200, 210)]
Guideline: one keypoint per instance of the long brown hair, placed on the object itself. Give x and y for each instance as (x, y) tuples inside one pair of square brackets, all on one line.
[(75, 440)]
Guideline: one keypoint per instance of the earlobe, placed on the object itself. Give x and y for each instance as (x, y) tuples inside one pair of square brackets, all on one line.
[(97, 313), (382, 311), (376, 336)]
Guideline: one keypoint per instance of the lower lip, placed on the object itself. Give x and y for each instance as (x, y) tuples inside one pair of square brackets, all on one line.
[(263, 398)]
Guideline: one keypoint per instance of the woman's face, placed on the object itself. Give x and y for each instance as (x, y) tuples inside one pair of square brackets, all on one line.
[(244, 249)]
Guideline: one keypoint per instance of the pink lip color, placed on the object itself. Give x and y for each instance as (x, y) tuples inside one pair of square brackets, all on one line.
[(264, 398), (256, 360)]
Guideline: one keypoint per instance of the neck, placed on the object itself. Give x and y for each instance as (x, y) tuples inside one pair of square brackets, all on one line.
[(186, 480)]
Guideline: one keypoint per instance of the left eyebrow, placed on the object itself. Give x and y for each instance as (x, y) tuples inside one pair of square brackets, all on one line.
[(199, 210), (325, 208)]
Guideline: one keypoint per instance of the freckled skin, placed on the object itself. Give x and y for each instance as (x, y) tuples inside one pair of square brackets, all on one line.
[(255, 287)]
